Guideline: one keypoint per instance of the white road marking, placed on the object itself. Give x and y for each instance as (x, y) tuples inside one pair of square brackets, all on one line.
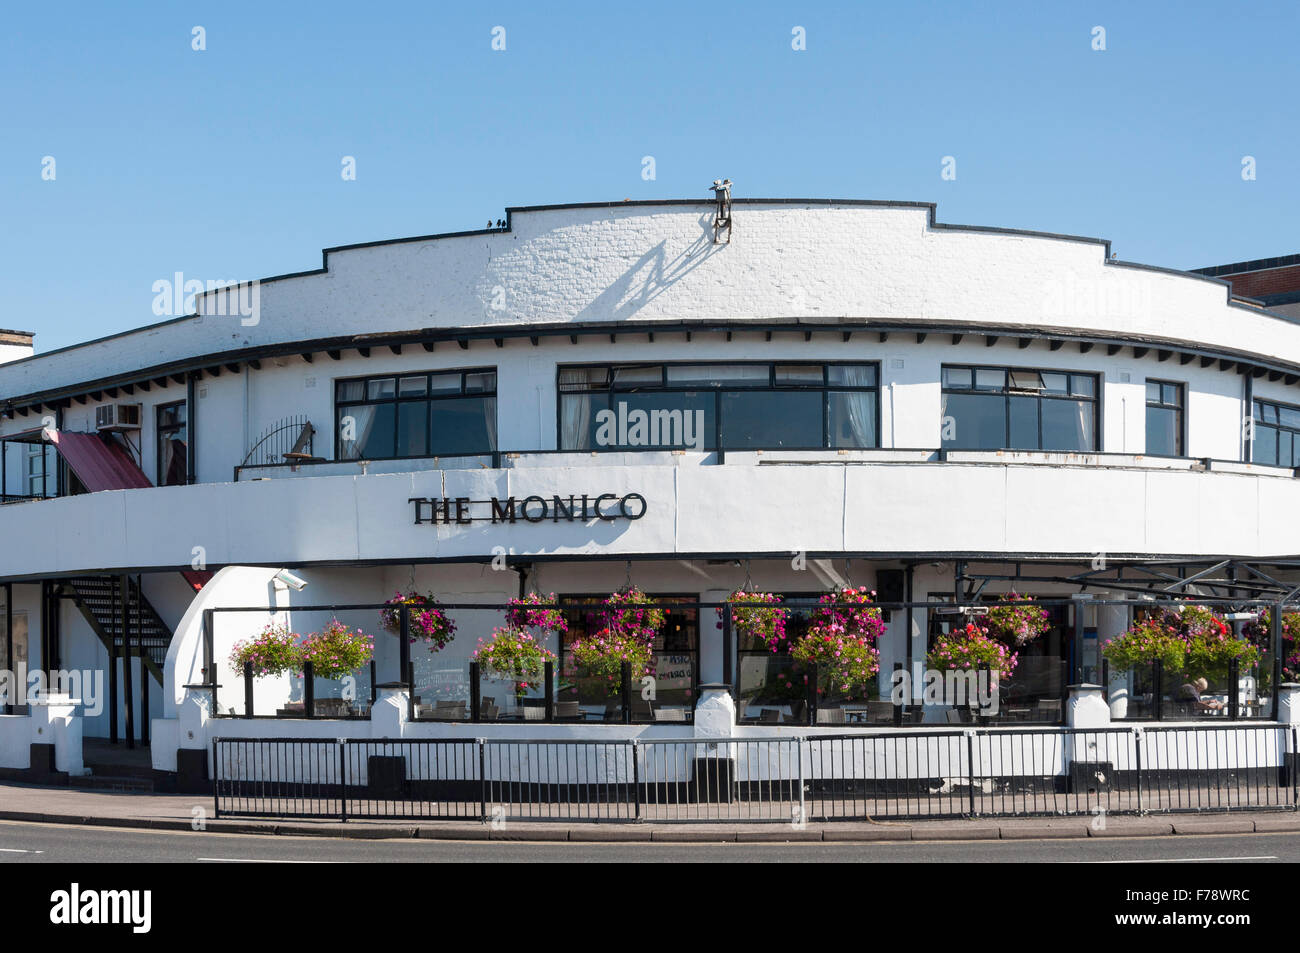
[(15, 850), (1181, 860), (254, 860)]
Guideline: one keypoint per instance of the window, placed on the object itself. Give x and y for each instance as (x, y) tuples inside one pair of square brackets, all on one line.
[(173, 444), (438, 414), (1277, 434), (996, 408), (712, 406), (1164, 418)]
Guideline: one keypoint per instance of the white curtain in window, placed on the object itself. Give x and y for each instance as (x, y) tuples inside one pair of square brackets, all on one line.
[(490, 420), (1085, 426), (859, 406), (363, 420), (575, 422)]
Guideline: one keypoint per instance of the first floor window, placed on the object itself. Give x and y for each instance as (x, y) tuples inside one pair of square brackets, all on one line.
[(173, 444), (718, 406), (998, 408), (1277, 434), (437, 414), (1165, 418)]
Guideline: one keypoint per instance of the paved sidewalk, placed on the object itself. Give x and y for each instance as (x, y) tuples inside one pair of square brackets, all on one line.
[(61, 805)]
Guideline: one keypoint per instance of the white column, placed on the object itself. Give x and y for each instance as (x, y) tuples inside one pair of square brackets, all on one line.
[(711, 662), (1288, 704), (1087, 707), (55, 721), (1111, 622), (390, 712), (715, 714)]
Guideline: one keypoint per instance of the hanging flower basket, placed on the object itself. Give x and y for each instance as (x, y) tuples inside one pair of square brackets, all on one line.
[(274, 651), (599, 658), (845, 662), (972, 648), (535, 611), (428, 620), (1017, 621), (856, 616), (513, 654), (337, 650), (1260, 633), (1145, 641), (757, 617), (631, 613)]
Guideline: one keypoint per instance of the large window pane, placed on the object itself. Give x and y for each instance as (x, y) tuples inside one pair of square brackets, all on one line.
[(852, 419), (1068, 425), (990, 378), (1265, 450), (463, 425), (373, 426), (578, 420), (975, 421), (771, 419), (1163, 432), (412, 429), (715, 373), (674, 419), (1024, 423)]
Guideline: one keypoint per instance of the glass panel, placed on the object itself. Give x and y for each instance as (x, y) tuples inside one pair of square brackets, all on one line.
[(1082, 385), (1265, 449), (412, 429), (481, 383), (990, 379), (444, 384), (1295, 453), (413, 386), (957, 378), (374, 431), (583, 378), (1068, 425), (1056, 383), (799, 373), (1283, 448), (578, 420), (771, 419), (1163, 432), (852, 418), (1026, 380), (853, 375), (659, 419), (978, 422), (1171, 394), (352, 390), (1024, 423), (1153, 392), (463, 425), (1288, 417), (381, 388), (631, 376), (713, 373)]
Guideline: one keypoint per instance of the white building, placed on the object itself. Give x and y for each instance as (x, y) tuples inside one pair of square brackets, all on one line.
[(935, 411)]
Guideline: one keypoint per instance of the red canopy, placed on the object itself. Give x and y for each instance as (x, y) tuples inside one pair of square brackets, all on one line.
[(98, 464)]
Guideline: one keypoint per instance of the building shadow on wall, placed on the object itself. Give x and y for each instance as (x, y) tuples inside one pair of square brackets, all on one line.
[(651, 275)]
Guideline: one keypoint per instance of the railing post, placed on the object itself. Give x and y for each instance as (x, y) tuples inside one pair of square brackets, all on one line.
[(248, 689), (1158, 688), (475, 706), (309, 689), (1137, 761), (810, 693), (1276, 625), (970, 764), (548, 673), (1295, 775), (1233, 688), (482, 777), (803, 809), (1105, 679), (636, 778), (343, 782), (625, 677)]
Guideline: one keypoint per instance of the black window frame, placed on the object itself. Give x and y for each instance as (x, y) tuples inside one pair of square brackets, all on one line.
[(1180, 407), (428, 398), (1007, 392), (1258, 423), (824, 387), (160, 431)]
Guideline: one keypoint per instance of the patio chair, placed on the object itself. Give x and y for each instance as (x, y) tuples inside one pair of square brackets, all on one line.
[(533, 713), (830, 716), (880, 711), (798, 712), (770, 716), (567, 710), (1047, 709), (957, 716), (670, 714)]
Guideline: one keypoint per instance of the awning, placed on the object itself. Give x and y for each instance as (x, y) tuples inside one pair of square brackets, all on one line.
[(98, 464)]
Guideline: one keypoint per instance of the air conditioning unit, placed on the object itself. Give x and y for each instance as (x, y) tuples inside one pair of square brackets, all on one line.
[(117, 417)]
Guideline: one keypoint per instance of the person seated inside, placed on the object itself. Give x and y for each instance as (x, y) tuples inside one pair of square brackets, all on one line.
[(1190, 697)]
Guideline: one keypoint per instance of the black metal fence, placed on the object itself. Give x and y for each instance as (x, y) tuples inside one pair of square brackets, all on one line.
[(887, 775)]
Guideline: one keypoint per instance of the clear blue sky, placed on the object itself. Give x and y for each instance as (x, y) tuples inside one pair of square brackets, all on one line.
[(225, 163)]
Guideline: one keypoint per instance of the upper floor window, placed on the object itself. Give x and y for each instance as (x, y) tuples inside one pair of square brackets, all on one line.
[(1277, 434), (438, 414), (711, 406), (173, 444), (1165, 418), (997, 408)]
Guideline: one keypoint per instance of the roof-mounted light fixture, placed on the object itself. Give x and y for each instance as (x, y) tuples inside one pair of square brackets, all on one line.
[(722, 212)]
